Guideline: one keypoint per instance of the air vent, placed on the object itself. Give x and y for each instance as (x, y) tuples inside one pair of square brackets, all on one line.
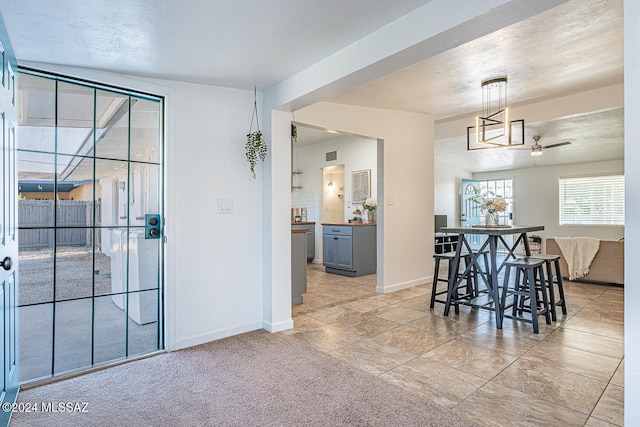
[(331, 156)]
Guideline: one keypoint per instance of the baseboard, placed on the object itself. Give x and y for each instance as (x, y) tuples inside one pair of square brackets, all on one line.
[(278, 326), (404, 285), (213, 336), (316, 261)]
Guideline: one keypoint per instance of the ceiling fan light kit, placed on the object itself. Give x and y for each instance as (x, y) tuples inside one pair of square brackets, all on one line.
[(493, 128), (537, 149)]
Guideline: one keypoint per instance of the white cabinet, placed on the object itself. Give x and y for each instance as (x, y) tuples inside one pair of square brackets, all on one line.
[(140, 257)]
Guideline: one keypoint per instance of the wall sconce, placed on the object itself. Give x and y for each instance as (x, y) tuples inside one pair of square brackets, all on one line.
[(330, 187)]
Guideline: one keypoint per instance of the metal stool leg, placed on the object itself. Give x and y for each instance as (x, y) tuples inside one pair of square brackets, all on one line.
[(452, 277), (434, 287), (532, 299), (561, 301), (545, 299), (549, 285)]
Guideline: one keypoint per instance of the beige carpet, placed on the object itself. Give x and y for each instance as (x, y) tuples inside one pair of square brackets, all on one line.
[(255, 379)]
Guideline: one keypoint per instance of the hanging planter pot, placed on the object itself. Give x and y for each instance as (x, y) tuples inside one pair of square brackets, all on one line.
[(256, 147)]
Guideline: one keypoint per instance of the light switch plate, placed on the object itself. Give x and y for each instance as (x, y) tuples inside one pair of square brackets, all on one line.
[(225, 206)]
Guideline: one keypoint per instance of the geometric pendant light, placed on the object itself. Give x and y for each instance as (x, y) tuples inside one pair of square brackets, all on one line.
[(493, 128)]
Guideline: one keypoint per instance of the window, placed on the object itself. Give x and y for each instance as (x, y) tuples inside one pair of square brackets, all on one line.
[(500, 188), (592, 200)]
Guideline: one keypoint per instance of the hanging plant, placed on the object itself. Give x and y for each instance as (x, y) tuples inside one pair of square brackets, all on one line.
[(294, 130), (255, 147)]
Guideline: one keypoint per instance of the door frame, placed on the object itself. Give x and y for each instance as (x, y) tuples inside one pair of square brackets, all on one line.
[(8, 229)]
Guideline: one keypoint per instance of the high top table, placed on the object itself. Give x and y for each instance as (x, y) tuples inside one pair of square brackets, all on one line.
[(490, 278)]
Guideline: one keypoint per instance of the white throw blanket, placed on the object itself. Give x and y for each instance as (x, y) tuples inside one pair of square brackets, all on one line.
[(578, 252)]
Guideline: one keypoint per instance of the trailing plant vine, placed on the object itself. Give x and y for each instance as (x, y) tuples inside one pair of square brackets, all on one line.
[(256, 147)]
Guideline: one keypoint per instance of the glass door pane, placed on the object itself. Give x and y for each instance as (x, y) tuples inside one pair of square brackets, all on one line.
[(89, 176)]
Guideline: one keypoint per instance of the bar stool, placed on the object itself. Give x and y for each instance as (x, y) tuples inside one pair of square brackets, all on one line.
[(526, 288), (470, 284), (555, 259), (548, 259), (466, 284)]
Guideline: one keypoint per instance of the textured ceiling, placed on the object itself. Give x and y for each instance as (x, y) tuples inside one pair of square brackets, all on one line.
[(239, 43), (232, 43), (572, 48)]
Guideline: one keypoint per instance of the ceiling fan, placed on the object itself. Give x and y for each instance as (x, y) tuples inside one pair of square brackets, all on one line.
[(536, 148)]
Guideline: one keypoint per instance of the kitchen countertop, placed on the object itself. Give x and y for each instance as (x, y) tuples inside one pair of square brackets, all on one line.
[(356, 224), (302, 223)]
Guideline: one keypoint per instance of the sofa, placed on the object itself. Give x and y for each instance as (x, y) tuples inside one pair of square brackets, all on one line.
[(607, 266)]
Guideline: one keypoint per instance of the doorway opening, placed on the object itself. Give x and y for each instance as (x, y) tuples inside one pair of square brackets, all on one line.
[(323, 164), (90, 209), (333, 194)]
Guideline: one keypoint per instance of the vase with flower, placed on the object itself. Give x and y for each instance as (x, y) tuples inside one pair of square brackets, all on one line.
[(370, 205), (490, 206)]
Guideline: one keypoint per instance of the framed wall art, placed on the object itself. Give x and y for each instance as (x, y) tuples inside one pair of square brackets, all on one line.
[(360, 185)]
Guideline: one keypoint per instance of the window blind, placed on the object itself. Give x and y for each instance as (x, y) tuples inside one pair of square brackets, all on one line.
[(593, 200)]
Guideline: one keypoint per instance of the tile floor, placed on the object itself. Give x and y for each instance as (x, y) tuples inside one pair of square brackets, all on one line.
[(571, 373)]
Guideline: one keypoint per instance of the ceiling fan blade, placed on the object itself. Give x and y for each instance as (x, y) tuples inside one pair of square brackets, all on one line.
[(560, 144)]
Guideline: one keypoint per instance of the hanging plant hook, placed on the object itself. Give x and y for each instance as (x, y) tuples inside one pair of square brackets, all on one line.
[(255, 110)]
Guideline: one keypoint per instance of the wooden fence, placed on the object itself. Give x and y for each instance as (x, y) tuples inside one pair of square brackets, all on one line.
[(73, 227)]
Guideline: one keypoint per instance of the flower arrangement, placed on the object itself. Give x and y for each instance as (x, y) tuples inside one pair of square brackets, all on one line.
[(370, 204), (489, 202)]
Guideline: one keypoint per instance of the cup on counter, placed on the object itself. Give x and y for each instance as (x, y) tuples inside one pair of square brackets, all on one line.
[(294, 213)]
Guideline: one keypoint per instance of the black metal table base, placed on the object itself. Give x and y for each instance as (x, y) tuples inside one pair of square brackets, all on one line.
[(490, 278)]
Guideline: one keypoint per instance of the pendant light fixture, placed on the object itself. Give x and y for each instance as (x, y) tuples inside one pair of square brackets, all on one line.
[(493, 128)]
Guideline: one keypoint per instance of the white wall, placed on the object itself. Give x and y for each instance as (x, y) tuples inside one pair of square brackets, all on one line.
[(405, 185), (354, 153), (536, 198), (218, 262), (447, 182)]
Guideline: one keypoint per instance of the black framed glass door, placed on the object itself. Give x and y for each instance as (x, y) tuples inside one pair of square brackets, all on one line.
[(90, 177)]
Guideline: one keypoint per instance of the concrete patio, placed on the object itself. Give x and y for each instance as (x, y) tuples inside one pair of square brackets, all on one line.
[(90, 329)]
